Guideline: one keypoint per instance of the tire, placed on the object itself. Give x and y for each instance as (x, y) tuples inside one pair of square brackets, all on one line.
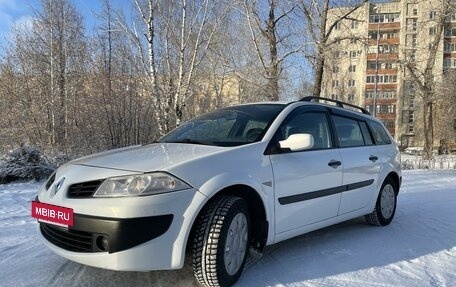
[(385, 208), (223, 226)]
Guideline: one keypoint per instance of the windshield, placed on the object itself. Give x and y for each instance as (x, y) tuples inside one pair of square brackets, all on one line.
[(232, 126)]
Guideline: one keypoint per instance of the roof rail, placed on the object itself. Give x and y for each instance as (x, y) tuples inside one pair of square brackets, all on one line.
[(338, 103)]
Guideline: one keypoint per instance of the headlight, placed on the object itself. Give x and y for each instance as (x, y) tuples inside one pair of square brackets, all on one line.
[(141, 184)]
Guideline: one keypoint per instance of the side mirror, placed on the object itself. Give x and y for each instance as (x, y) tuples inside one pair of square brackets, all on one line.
[(297, 142)]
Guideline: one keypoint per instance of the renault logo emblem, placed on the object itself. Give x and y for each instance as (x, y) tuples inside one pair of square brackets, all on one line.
[(57, 187)]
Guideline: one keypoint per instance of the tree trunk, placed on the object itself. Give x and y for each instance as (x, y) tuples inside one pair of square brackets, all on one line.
[(274, 72), (320, 65)]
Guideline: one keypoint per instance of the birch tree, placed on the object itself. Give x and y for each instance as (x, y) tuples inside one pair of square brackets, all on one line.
[(49, 61), (172, 44)]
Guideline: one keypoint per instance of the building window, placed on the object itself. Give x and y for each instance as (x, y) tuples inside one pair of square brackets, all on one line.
[(411, 102), (389, 124), (384, 49), (451, 17), (351, 83), (411, 128), (391, 35), (336, 69), (412, 9), (411, 24), (371, 65), (336, 54), (432, 15), (334, 97), (432, 31), (450, 32), (352, 68), (351, 97), (353, 40), (449, 47), (449, 63), (386, 109), (353, 54), (381, 79), (411, 117), (337, 26), (381, 94), (354, 24), (335, 83), (384, 18)]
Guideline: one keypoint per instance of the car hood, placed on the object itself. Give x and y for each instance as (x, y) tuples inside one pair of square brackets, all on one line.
[(147, 158)]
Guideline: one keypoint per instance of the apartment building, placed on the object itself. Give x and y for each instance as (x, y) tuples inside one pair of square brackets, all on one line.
[(366, 64)]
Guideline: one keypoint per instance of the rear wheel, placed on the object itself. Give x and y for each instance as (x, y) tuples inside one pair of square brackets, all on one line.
[(221, 241), (385, 207)]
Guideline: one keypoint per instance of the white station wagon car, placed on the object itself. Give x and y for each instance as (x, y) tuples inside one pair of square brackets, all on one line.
[(220, 185)]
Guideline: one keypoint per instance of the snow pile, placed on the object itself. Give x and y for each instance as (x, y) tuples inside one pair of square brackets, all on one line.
[(417, 249), (436, 163), (25, 163)]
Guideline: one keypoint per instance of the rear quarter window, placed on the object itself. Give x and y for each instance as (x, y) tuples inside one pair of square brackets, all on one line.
[(380, 134)]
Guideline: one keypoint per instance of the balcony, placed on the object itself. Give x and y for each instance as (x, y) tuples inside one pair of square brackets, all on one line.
[(384, 26), (380, 101), (382, 71), (373, 42), (381, 86), (391, 116), (384, 56)]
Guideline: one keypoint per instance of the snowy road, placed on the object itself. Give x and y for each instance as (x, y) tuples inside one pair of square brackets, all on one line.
[(417, 249)]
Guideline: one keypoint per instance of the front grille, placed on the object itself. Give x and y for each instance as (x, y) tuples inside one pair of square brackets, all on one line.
[(71, 240), (84, 189)]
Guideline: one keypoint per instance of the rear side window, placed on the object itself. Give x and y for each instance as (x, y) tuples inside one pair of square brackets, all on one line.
[(379, 133), (348, 132), (366, 134)]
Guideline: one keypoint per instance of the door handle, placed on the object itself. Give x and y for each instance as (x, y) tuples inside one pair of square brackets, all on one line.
[(334, 163), (373, 158)]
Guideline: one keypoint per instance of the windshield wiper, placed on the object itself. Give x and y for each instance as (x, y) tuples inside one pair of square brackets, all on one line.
[(191, 141)]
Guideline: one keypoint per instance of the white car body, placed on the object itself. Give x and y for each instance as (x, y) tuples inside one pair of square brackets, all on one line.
[(351, 190)]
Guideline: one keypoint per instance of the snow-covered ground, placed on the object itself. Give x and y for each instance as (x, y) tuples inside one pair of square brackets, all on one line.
[(417, 249)]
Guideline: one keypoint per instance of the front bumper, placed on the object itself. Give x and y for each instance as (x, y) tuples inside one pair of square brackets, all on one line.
[(144, 233), (88, 232)]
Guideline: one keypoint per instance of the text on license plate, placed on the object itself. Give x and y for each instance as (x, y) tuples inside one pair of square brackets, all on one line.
[(52, 214)]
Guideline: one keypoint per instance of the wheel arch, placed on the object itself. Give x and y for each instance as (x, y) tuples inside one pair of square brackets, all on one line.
[(259, 226), (396, 180)]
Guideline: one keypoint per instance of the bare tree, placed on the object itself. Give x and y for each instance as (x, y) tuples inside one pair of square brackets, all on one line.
[(445, 112), (320, 30), (423, 75), (185, 31), (50, 60), (271, 42)]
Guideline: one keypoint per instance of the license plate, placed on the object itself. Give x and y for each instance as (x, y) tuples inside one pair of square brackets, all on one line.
[(52, 214)]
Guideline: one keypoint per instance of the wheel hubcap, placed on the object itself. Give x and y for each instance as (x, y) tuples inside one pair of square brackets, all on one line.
[(236, 244), (387, 201)]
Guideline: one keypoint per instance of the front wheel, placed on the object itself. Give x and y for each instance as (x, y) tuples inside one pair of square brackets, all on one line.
[(221, 241), (385, 207)]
